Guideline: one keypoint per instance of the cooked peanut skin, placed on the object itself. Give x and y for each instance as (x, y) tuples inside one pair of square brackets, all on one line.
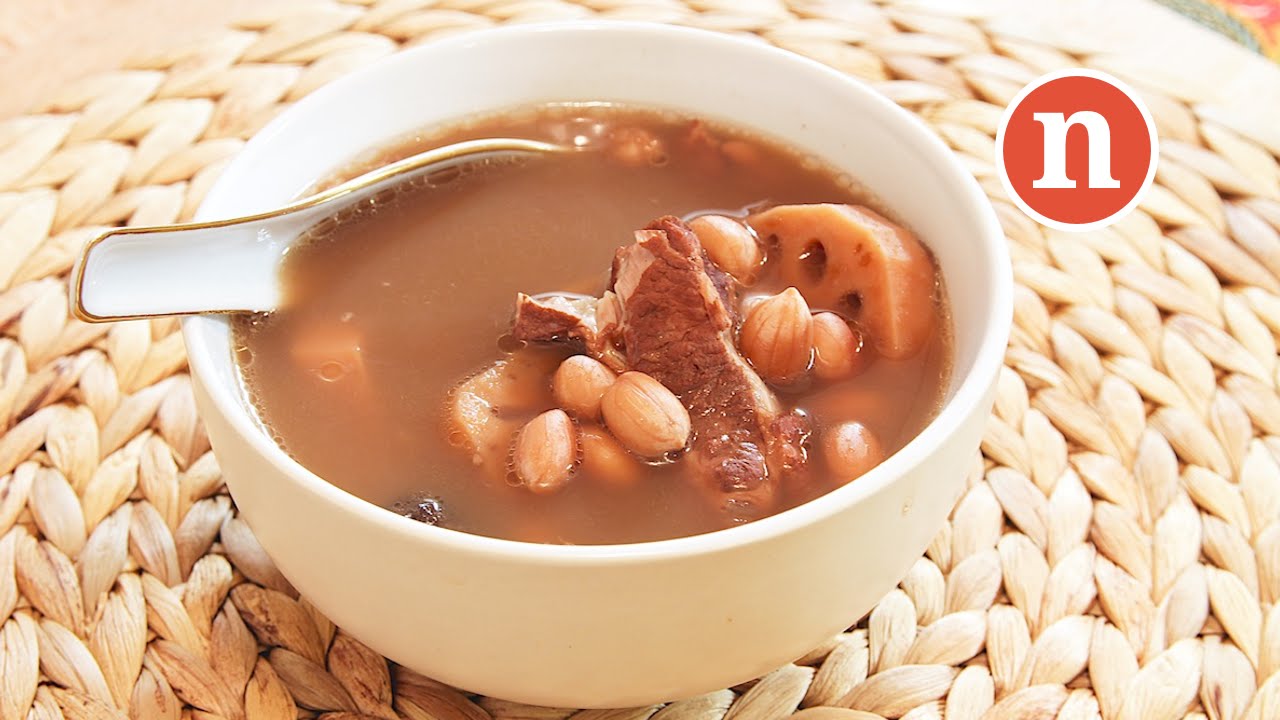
[(645, 416), (851, 449), (730, 245), (777, 337), (605, 460), (837, 351), (579, 383), (546, 450)]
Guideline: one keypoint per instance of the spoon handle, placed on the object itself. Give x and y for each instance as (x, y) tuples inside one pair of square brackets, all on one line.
[(134, 273), (232, 266)]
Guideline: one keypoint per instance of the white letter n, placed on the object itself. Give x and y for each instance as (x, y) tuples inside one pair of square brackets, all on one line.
[(1098, 137)]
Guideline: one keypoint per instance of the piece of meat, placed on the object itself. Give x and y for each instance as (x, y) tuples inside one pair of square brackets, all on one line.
[(591, 322), (677, 324), (726, 287), (554, 317)]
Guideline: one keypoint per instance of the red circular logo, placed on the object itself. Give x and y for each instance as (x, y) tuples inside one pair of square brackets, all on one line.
[(1076, 150)]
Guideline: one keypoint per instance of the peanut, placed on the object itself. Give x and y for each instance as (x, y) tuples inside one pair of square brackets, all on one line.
[(603, 459), (837, 349), (742, 153), (579, 383), (644, 415), (636, 147), (851, 449), (777, 336), (545, 452), (730, 245)]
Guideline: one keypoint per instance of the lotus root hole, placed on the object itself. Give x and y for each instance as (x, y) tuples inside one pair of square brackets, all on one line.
[(814, 260)]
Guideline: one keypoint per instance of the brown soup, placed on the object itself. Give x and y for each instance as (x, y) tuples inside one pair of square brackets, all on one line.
[(378, 373)]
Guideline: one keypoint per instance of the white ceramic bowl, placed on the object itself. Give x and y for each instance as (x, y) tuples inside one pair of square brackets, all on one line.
[(623, 624)]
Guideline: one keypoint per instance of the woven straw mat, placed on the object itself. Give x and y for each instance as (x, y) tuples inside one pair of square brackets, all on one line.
[(1116, 555)]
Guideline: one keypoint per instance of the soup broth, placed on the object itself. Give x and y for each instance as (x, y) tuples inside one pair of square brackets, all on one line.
[(390, 308)]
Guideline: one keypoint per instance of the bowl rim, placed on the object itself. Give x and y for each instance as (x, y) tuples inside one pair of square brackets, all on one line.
[(968, 396)]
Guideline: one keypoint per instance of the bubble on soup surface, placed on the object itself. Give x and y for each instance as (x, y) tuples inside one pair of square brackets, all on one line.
[(323, 227), (509, 344), (382, 197), (331, 351), (278, 439), (423, 508), (442, 177), (332, 371)]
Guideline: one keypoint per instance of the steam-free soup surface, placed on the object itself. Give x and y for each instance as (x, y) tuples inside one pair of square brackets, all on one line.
[(388, 310)]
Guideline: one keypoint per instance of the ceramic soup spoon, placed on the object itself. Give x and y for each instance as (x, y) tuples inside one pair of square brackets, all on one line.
[(232, 265)]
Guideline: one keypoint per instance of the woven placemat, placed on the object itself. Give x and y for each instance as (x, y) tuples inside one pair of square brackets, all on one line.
[(1117, 553)]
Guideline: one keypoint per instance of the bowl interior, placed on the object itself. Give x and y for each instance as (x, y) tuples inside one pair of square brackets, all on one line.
[(740, 82)]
